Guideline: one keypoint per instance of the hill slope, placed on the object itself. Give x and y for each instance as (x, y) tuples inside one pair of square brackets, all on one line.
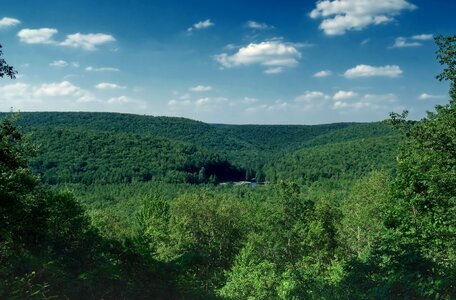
[(118, 148)]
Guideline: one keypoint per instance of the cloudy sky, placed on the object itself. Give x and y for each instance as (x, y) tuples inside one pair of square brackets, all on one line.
[(226, 61)]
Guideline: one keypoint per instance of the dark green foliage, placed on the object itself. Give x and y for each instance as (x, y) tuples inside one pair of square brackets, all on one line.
[(342, 160), (5, 69), (107, 157)]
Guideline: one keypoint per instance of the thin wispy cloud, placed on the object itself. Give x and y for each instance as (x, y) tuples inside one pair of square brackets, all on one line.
[(414, 41), (109, 86), (340, 16), (201, 25), (201, 88), (101, 69), (59, 63), (426, 96), (257, 25), (312, 96)]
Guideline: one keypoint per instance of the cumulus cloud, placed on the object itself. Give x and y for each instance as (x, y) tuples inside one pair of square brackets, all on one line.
[(370, 71), (257, 26), (8, 22), (403, 42), (323, 73), (340, 95), (88, 42), (201, 25), (274, 55), (201, 88), (37, 36), (101, 69), (426, 96), (64, 88), (109, 86), (340, 16)]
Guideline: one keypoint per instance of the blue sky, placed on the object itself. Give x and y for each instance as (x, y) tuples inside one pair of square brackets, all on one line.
[(267, 62)]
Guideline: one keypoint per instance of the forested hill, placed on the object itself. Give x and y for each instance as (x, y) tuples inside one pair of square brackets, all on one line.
[(91, 148)]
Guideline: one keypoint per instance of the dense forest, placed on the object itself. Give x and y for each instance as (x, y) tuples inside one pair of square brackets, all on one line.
[(118, 206)]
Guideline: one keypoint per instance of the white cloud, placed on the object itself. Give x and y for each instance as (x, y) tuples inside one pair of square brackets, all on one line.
[(8, 22), (311, 96), (340, 95), (423, 37), (64, 88), (258, 26), (101, 69), (201, 25), (275, 70), (275, 55), (403, 42), (204, 104), (59, 63), (323, 73), (210, 101), (119, 100), (62, 96), (109, 86), (370, 71), (201, 88), (87, 42), (37, 36), (16, 90), (340, 16), (368, 101), (426, 96)]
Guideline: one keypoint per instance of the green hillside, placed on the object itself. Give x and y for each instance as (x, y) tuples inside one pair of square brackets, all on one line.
[(89, 156), (349, 159), (92, 148)]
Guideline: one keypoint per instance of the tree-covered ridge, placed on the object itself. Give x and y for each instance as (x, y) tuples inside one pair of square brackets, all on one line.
[(89, 156), (181, 129), (339, 160), (280, 137), (118, 148)]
